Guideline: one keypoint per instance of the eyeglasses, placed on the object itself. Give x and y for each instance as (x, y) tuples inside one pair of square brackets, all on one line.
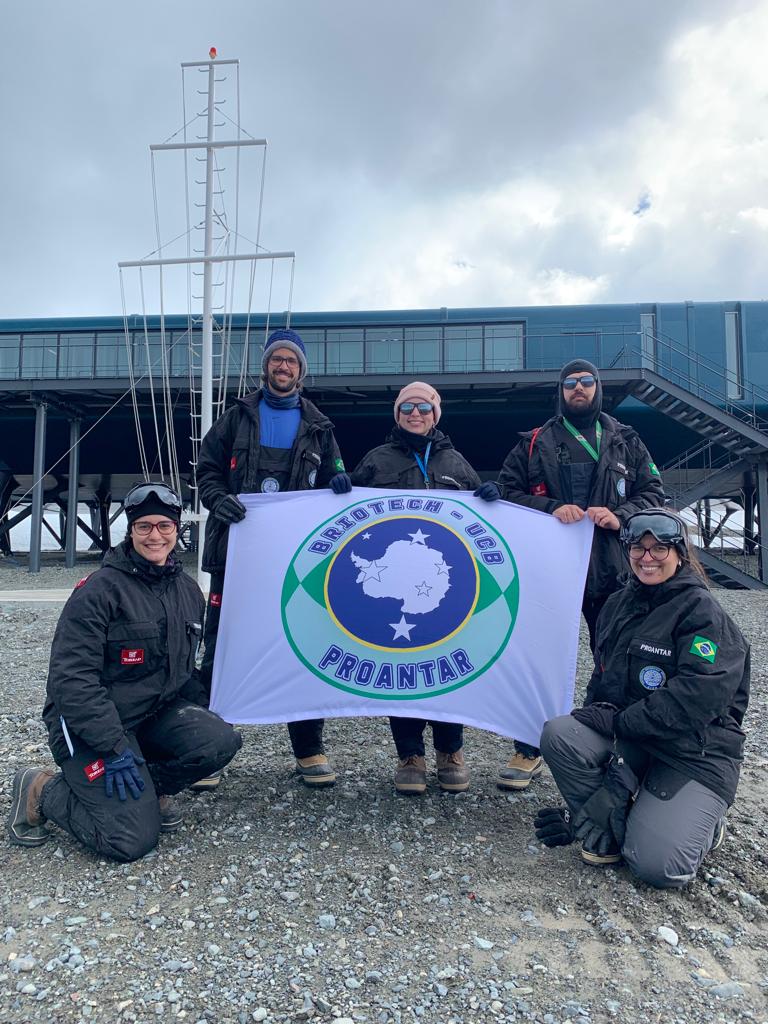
[(164, 494), (165, 528), (423, 408), (587, 381), (290, 361), (658, 552)]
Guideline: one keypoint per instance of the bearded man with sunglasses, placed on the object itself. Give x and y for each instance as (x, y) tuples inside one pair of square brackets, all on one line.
[(581, 462), (125, 725), (271, 440)]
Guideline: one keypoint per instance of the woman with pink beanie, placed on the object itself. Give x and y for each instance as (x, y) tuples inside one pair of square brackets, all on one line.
[(419, 456)]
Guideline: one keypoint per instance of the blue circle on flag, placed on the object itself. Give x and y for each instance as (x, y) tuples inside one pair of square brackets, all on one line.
[(402, 584)]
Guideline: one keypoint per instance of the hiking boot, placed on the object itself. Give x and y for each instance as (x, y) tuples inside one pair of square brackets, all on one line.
[(209, 782), (452, 773), (411, 775), (25, 822), (519, 772), (315, 771), (171, 817), (612, 855)]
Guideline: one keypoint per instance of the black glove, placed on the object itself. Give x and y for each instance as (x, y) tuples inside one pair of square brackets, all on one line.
[(229, 509), (606, 810), (123, 770), (341, 483), (599, 717), (489, 491), (553, 826)]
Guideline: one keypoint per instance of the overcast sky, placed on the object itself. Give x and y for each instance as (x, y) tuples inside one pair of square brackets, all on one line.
[(422, 153)]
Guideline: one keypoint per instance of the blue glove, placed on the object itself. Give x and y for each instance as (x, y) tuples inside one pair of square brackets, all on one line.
[(123, 770), (600, 717), (341, 483), (489, 491)]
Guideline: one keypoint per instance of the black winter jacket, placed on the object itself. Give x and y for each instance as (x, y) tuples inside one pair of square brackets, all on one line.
[(625, 480), (124, 646), (229, 459), (678, 667), (393, 465)]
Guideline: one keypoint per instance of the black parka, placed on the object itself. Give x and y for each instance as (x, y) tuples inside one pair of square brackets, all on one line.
[(124, 646), (625, 480), (393, 465), (228, 463), (678, 667)]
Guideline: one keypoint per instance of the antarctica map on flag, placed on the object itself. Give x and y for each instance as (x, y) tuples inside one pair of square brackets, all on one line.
[(379, 602)]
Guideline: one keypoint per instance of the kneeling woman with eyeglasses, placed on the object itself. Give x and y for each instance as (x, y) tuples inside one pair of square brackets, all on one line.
[(125, 724), (649, 766), (419, 456)]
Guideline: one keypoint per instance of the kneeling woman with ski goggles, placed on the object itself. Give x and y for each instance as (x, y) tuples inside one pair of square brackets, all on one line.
[(649, 766)]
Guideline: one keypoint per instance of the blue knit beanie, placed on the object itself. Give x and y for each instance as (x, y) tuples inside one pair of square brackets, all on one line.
[(286, 338)]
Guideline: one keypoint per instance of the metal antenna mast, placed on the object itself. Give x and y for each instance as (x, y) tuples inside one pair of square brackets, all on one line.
[(207, 257)]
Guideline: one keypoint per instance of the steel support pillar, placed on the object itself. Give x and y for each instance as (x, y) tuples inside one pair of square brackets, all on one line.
[(761, 472), (36, 525), (105, 502), (70, 558)]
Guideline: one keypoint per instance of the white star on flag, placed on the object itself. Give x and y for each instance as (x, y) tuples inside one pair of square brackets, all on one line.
[(373, 571), (402, 628), (366, 536), (418, 537)]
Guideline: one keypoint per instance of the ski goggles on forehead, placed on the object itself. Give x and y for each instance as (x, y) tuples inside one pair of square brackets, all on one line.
[(164, 494), (423, 407), (588, 380), (665, 528)]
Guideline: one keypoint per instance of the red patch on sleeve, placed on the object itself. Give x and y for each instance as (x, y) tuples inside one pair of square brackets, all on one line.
[(539, 490), (215, 600), (94, 770), (82, 581), (132, 656), (232, 462)]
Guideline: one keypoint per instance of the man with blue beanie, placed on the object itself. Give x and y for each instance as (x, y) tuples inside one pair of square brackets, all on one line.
[(272, 440)]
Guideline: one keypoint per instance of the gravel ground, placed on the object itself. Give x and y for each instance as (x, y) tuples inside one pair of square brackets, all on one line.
[(274, 903)]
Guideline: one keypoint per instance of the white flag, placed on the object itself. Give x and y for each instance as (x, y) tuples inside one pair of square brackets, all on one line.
[(425, 604)]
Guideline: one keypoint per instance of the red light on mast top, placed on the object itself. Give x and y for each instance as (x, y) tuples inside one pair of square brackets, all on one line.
[(212, 53)]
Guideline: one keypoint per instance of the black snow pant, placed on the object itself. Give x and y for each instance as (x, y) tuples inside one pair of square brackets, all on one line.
[(673, 821), (180, 744), (590, 609), (306, 737), (408, 734)]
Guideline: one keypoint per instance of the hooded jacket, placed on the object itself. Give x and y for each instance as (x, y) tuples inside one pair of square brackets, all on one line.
[(228, 463), (678, 668), (625, 480), (393, 465), (124, 646)]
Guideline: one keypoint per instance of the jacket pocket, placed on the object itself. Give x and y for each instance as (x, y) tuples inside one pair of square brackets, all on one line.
[(651, 663), (134, 650)]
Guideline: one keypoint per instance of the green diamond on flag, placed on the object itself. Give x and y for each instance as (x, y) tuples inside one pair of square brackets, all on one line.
[(704, 648)]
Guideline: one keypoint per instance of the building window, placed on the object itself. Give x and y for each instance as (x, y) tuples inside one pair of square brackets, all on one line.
[(463, 349), (76, 355), (734, 372), (384, 350), (111, 354), (421, 349), (39, 355), (504, 347), (344, 351), (10, 351), (314, 345)]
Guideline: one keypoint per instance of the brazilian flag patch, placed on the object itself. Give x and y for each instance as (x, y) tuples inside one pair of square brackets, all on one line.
[(704, 648), (654, 468), (339, 465)]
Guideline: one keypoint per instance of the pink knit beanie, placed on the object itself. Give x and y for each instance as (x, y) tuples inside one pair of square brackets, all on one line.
[(418, 391)]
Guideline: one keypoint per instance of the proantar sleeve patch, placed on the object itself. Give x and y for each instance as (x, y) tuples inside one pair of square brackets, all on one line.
[(704, 648)]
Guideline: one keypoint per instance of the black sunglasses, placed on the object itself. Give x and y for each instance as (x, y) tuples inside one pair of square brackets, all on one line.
[(164, 494), (423, 407), (587, 381)]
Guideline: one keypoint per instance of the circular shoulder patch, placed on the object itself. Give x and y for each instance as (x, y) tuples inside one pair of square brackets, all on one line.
[(652, 677)]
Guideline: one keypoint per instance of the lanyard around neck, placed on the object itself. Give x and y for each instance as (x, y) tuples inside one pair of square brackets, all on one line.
[(595, 453), (423, 465)]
